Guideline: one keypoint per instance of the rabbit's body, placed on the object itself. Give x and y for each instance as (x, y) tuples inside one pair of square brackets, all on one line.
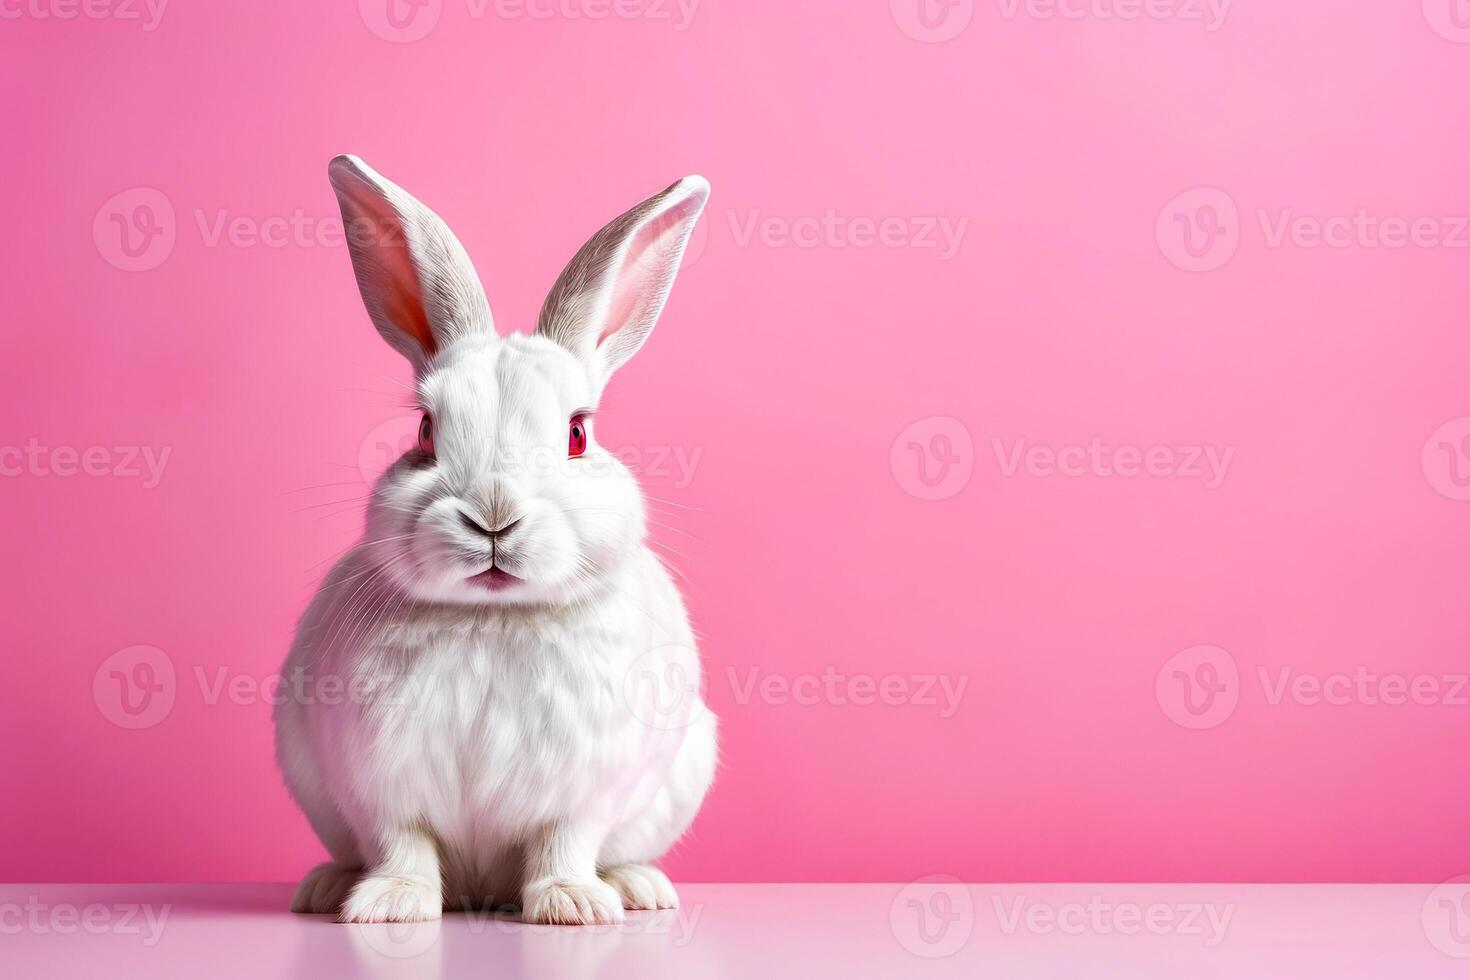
[(488, 727), (494, 700)]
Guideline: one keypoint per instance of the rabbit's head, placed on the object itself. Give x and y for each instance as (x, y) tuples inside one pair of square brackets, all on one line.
[(508, 498)]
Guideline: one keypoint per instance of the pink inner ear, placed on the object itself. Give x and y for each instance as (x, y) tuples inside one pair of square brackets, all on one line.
[(378, 231), (647, 265)]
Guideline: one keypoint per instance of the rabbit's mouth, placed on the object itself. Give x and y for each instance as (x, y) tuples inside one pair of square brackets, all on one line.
[(494, 579)]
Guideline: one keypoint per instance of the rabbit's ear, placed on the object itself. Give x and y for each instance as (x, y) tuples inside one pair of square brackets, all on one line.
[(608, 298), (416, 281)]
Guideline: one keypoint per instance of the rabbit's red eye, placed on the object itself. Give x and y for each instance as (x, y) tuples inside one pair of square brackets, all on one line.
[(577, 439), (426, 435)]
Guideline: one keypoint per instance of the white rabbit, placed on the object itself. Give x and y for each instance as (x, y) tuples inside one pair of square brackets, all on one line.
[(494, 697)]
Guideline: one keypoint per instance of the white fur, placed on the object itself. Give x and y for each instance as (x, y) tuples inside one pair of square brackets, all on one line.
[(459, 747)]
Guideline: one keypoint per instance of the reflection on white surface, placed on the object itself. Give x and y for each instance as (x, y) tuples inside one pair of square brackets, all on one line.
[(934, 926)]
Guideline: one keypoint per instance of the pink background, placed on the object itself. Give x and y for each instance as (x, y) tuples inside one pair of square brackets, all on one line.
[(1334, 542)]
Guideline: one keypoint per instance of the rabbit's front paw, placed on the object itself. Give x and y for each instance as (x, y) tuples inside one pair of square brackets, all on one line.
[(393, 898), (641, 886), (561, 901), (324, 887)]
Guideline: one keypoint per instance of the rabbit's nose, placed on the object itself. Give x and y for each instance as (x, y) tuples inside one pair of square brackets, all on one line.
[(480, 526), (496, 504)]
